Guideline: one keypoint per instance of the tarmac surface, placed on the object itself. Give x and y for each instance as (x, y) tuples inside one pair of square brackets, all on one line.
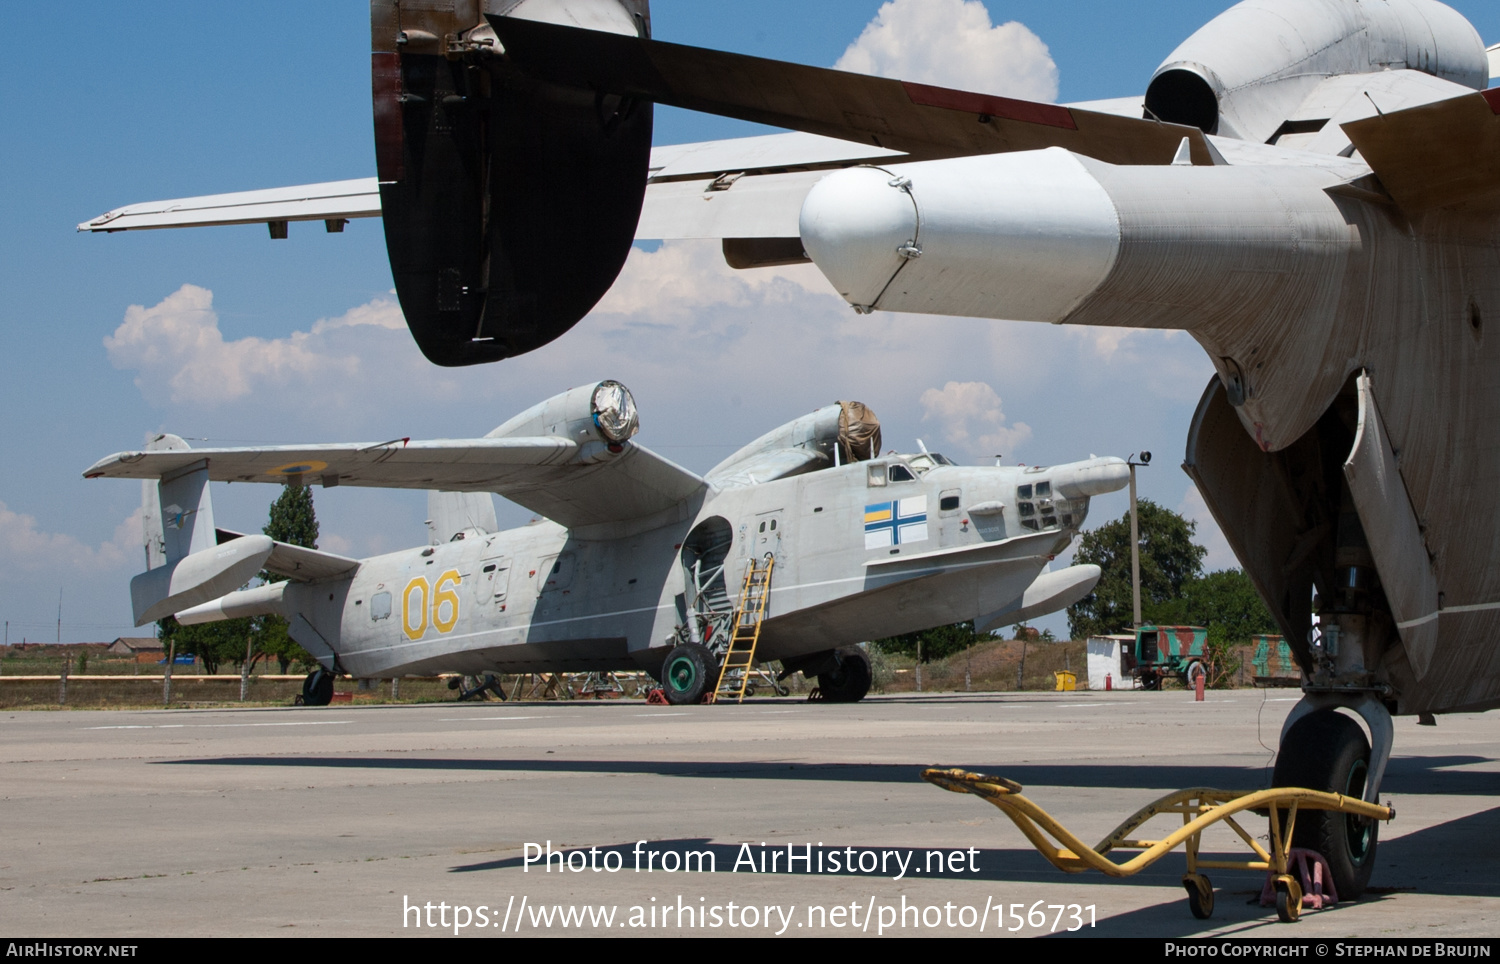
[(340, 821)]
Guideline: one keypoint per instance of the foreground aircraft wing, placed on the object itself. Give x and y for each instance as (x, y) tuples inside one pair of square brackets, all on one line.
[(334, 202), (1444, 155), (921, 121), (555, 477)]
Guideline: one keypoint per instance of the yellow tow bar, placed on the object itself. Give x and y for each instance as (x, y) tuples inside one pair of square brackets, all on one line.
[(1200, 809)]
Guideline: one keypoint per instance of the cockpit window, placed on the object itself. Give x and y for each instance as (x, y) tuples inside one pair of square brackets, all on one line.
[(900, 473), (1024, 491), (1043, 490), (877, 475), (928, 461)]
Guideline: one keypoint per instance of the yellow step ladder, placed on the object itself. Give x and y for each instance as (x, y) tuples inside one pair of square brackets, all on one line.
[(745, 633)]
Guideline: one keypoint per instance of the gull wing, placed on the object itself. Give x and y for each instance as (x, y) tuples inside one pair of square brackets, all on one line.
[(571, 484)]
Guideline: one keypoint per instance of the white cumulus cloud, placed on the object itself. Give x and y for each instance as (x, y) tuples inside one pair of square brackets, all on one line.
[(27, 548), (953, 43), (970, 414), (182, 357)]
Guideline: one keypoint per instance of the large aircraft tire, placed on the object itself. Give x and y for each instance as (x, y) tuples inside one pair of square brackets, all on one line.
[(317, 689), (851, 681), (1327, 751), (689, 672)]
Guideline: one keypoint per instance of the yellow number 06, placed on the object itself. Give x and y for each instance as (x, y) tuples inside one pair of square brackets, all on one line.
[(444, 609)]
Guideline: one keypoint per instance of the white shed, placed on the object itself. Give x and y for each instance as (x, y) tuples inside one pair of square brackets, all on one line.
[(1111, 656)]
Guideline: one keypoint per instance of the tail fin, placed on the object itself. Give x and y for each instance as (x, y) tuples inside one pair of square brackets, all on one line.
[(187, 511), (454, 514), (185, 565)]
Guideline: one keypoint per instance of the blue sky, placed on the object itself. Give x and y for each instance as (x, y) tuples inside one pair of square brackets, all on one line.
[(117, 103)]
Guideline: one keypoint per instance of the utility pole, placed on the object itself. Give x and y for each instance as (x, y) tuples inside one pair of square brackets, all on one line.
[(59, 614), (1135, 542)]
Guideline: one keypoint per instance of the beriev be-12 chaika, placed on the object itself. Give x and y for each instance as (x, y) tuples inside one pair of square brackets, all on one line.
[(638, 564)]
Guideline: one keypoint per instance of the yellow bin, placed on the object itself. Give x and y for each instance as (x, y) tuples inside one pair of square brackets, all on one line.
[(1067, 681)]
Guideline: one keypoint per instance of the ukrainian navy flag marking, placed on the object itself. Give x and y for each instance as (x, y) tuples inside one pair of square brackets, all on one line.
[(896, 523)]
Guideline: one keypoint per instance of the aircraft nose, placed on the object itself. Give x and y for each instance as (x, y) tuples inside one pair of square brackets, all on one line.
[(1091, 478), (854, 224)]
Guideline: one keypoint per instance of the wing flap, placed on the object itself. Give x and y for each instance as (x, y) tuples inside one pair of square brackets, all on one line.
[(332, 201), (1438, 156), (922, 121), (764, 206), (764, 153)]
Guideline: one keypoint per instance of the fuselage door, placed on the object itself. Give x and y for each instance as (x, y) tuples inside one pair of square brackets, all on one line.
[(555, 573), (951, 519), (493, 582), (768, 530)]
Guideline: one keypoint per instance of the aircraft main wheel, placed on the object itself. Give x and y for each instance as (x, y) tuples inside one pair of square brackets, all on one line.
[(689, 672), (1327, 751), (851, 681), (317, 689)]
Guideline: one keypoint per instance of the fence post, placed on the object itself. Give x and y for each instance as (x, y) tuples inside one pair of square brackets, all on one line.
[(166, 679)]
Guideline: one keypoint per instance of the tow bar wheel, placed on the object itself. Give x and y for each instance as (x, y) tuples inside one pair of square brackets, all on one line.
[(1200, 895)]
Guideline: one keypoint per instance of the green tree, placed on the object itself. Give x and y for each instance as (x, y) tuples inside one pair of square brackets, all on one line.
[(1169, 559), (212, 643), (294, 522), (939, 642), (1225, 601)]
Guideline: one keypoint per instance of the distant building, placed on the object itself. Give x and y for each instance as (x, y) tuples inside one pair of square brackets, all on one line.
[(136, 645)]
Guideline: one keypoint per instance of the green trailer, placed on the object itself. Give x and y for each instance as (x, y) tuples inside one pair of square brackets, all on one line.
[(1273, 662), (1170, 652)]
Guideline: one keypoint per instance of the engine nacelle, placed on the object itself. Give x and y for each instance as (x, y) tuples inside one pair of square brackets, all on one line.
[(1249, 69), (509, 205), (597, 416)]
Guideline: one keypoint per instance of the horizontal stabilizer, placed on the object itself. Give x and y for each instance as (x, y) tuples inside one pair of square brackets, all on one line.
[(336, 201), (922, 121), (197, 578), (296, 562), (1438, 156)]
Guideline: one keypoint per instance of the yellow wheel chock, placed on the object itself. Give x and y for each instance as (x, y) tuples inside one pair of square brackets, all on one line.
[(1200, 809)]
